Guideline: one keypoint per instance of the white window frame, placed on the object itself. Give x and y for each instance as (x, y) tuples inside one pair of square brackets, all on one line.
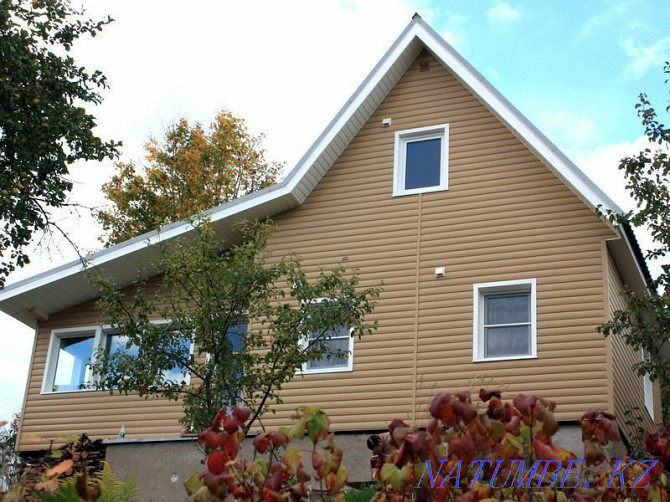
[(52, 355), (648, 387), (304, 370), (100, 334), (402, 138), (479, 292)]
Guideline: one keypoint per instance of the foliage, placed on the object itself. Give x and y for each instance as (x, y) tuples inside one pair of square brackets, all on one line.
[(10, 461), (278, 471), (471, 455), (43, 472), (247, 314), (103, 487), (190, 171), (362, 494), (646, 323), (44, 126)]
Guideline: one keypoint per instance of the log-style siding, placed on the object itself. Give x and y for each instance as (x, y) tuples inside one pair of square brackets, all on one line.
[(505, 216), (627, 385)]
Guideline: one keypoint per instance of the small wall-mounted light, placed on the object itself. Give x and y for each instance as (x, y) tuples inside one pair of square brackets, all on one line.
[(387, 122), (440, 271)]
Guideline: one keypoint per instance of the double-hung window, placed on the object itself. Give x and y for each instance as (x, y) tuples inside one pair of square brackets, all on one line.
[(421, 162), (339, 353), (505, 321), (338, 345)]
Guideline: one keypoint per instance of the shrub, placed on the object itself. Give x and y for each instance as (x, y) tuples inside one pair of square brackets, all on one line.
[(462, 454)]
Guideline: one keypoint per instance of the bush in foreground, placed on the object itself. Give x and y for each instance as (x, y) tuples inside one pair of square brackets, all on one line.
[(503, 452)]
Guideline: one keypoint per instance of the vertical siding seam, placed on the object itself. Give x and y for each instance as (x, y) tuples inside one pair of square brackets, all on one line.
[(19, 431), (606, 317), (416, 307)]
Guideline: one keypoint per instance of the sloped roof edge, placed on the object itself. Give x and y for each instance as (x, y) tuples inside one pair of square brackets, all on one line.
[(20, 298)]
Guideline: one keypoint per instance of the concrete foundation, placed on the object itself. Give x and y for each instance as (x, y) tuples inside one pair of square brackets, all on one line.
[(163, 466)]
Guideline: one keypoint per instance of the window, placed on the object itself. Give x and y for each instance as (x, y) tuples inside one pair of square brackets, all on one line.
[(648, 388), (339, 352), (237, 334), (116, 343), (72, 350), (339, 348), (421, 160), (69, 358), (505, 320)]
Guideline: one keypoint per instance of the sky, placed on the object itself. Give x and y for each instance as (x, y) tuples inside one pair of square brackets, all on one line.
[(574, 68)]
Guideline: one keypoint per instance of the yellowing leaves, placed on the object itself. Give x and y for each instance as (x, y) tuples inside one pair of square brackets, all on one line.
[(188, 171)]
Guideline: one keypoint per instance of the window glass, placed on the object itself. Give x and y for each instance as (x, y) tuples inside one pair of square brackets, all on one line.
[(73, 370), (178, 373), (422, 163), (337, 339), (507, 324), (507, 341), (236, 334), (119, 344), (507, 309)]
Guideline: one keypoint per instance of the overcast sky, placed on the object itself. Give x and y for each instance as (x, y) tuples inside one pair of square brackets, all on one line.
[(573, 67)]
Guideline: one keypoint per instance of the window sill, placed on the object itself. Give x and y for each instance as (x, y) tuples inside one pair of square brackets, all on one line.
[(324, 370), (503, 358), (416, 191), (49, 392)]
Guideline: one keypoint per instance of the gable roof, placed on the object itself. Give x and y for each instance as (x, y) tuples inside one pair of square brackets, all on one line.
[(66, 286)]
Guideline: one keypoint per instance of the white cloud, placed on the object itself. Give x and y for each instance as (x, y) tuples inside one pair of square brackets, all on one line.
[(572, 132), (643, 58), (620, 16), (502, 13)]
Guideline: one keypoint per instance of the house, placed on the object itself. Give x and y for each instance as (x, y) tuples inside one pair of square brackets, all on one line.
[(496, 267)]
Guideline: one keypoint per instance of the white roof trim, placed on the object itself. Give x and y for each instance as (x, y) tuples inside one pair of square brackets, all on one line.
[(301, 180)]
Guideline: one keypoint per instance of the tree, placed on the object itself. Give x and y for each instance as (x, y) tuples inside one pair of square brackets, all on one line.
[(253, 319), (645, 325), (44, 126), (10, 462), (190, 171)]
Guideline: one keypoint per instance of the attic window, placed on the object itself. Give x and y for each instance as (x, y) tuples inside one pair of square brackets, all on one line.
[(421, 160)]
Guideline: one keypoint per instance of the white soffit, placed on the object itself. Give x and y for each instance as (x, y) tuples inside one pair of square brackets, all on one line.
[(67, 285)]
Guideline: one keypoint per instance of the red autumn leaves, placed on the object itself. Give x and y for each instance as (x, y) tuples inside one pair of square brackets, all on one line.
[(278, 472)]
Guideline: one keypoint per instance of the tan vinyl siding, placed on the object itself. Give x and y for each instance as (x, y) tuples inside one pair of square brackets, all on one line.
[(505, 216), (628, 386)]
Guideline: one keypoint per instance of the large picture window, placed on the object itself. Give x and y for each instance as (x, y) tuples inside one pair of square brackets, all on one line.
[(72, 351), (505, 320)]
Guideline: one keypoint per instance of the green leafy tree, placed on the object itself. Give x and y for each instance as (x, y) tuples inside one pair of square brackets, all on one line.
[(44, 126), (190, 171), (645, 325), (253, 320)]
